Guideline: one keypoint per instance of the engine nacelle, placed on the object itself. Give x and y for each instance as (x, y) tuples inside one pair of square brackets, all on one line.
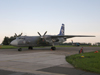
[(55, 40)]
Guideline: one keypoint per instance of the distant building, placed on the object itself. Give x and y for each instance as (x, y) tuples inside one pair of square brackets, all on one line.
[(98, 43)]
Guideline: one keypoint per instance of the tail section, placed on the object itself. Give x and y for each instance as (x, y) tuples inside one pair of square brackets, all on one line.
[(62, 30)]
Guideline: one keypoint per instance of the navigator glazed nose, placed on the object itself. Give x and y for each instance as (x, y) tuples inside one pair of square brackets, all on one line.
[(14, 43)]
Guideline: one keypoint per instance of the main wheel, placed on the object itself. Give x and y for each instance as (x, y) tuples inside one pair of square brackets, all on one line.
[(19, 49), (30, 47), (53, 48)]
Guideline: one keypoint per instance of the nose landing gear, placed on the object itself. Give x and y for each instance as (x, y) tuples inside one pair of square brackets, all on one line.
[(20, 49)]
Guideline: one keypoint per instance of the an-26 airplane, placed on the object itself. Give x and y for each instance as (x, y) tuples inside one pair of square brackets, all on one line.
[(45, 40)]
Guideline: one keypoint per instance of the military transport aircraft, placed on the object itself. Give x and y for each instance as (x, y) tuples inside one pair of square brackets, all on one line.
[(43, 40)]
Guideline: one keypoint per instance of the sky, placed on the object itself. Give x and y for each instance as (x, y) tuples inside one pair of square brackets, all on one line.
[(81, 17)]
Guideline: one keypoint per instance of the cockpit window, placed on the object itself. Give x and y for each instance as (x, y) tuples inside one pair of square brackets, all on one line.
[(20, 38)]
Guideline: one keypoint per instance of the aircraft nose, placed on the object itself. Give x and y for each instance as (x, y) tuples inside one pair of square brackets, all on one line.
[(14, 43)]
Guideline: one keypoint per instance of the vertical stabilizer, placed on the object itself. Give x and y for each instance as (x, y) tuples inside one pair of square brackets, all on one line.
[(62, 30)]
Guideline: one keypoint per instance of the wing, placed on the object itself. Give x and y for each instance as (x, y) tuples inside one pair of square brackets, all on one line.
[(70, 36)]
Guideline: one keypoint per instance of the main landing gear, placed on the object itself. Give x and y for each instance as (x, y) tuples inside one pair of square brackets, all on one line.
[(30, 47), (53, 48)]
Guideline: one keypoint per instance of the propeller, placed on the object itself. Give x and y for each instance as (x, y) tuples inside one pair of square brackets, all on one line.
[(18, 35), (42, 37)]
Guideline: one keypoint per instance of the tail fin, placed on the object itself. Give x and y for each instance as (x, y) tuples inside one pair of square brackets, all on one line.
[(62, 30)]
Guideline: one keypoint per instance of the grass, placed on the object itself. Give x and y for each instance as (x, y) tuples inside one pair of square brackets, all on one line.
[(7, 47), (64, 46), (75, 46), (12, 47), (90, 62)]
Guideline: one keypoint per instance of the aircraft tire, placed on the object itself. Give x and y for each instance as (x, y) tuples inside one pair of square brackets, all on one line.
[(53, 48), (19, 49), (30, 47)]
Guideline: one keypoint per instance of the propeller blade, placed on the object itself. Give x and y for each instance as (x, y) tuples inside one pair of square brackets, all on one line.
[(45, 33), (15, 35), (39, 33), (20, 34)]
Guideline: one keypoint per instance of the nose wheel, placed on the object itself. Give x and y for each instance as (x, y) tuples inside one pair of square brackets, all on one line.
[(53, 48), (19, 49)]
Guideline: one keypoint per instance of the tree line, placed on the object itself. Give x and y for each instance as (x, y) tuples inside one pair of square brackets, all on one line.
[(7, 40)]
